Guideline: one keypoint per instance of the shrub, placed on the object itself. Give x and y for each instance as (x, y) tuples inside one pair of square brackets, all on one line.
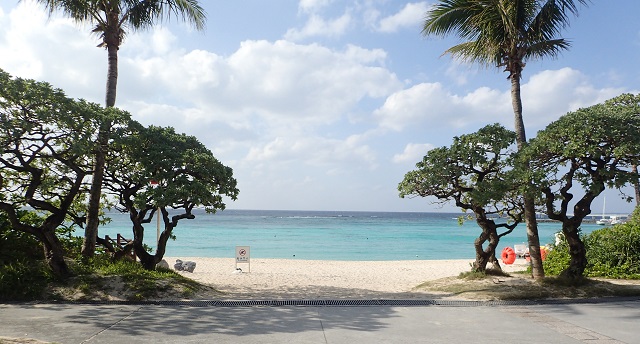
[(15, 245), (24, 280), (612, 252), (557, 259)]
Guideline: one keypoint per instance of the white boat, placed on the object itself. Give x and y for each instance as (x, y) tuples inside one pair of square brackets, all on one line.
[(603, 221), (618, 220)]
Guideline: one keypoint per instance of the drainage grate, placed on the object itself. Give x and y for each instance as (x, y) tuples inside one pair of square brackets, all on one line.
[(349, 303)]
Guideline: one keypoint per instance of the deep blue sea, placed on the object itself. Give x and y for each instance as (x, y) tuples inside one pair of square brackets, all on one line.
[(326, 235)]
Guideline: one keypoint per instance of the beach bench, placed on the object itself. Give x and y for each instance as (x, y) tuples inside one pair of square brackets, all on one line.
[(521, 250)]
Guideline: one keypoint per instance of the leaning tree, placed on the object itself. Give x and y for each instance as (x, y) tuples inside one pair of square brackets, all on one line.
[(156, 169), (506, 34), (575, 158), (475, 172), (47, 141), (111, 19)]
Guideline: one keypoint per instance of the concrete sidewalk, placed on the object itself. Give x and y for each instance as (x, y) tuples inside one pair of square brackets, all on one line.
[(605, 321)]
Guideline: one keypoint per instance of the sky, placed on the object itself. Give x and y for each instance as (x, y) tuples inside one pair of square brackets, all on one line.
[(323, 104)]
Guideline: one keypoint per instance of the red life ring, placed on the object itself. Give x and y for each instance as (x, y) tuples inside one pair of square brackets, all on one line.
[(508, 255)]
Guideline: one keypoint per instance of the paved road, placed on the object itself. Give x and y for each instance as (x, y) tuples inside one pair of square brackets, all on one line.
[(611, 321)]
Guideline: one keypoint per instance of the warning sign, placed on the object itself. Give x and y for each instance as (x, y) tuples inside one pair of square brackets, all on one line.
[(243, 256)]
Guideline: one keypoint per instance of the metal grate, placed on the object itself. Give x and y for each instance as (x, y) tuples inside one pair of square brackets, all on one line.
[(350, 303)]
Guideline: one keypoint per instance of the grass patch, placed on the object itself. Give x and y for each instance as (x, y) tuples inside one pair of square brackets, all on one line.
[(489, 287), (124, 280)]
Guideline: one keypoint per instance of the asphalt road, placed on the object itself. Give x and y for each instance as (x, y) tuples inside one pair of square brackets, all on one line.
[(593, 322)]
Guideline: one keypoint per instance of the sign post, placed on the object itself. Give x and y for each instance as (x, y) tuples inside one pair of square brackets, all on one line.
[(243, 256)]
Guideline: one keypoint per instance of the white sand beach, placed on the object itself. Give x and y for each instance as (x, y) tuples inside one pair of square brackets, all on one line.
[(315, 279)]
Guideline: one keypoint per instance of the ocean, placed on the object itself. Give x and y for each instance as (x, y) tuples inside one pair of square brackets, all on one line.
[(326, 235)]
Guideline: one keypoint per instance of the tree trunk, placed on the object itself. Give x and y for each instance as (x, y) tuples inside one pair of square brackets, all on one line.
[(489, 233), (577, 251), (533, 238), (93, 211), (148, 260), (636, 184), (529, 202), (54, 254), (113, 43), (495, 262), (482, 258)]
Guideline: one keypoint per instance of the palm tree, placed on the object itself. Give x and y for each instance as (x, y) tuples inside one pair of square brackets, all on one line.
[(111, 19), (505, 34)]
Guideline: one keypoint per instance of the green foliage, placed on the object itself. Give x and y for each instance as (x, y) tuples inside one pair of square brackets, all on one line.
[(598, 144), (505, 33), (615, 251), (186, 170), (557, 259), (480, 275), (140, 282), (23, 274), (23, 280), (48, 145), (474, 170), (612, 252), (15, 245)]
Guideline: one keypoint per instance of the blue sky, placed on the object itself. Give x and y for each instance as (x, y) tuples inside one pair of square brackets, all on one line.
[(322, 104)]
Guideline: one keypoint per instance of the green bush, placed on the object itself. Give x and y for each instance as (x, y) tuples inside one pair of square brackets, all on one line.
[(557, 259), (24, 280), (15, 245), (612, 252)]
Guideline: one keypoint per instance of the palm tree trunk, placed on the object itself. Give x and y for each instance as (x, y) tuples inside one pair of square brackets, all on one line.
[(93, 211), (636, 183), (533, 237), (112, 76)]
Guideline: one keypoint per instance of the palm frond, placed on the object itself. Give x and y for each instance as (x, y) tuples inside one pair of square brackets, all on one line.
[(502, 32)]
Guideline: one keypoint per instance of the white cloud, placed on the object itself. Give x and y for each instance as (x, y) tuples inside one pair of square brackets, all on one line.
[(546, 96), (413, 152), (286, 86), (420, 103), (317, 26), (552, 93), (159, 41), (304, 125), (309, 6), (27, 35), (410, 16), (460, 72), (313, 151)]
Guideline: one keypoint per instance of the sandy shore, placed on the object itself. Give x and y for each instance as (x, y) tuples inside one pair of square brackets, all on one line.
[(315, 279)]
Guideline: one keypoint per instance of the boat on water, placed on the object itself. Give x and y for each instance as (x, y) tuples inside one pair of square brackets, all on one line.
[(618, 220), (603, 221), (613, 220)]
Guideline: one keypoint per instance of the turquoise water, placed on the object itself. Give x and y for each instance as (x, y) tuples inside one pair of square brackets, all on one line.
[(326, 235)]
